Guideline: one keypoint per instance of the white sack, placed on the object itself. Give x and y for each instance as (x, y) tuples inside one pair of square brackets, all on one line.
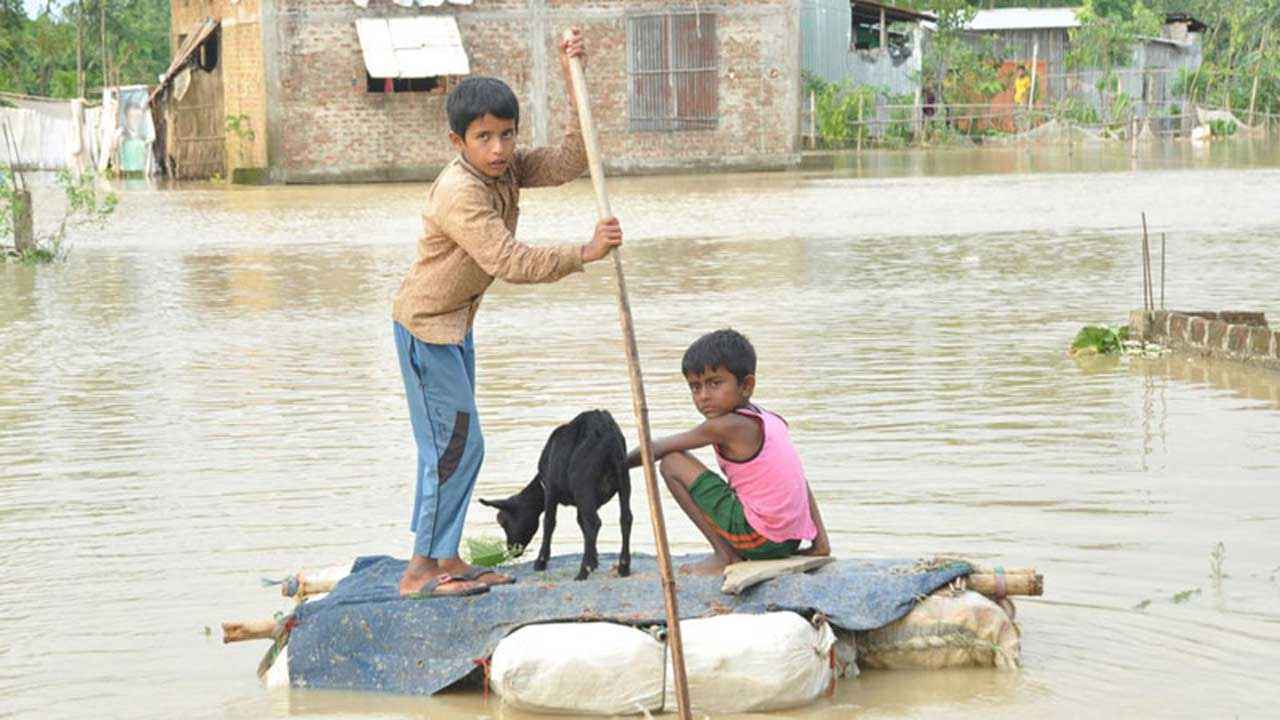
[(580, 668), (752, 663)]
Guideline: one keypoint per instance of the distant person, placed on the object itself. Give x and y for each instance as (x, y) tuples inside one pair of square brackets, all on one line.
[(763, 508), (1021, 86), (468, 241)]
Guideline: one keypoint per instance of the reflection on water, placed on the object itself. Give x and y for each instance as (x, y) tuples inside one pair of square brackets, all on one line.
[(215, 399)]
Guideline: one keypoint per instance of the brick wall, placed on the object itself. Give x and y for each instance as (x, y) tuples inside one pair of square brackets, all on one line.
[(241, 66), (328, 127), (1230, 335)]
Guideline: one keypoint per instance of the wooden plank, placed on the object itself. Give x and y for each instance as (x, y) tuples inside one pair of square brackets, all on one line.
[(743, 575)]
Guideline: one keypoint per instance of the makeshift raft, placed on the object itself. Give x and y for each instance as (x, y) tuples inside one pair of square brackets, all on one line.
[(362, 636)]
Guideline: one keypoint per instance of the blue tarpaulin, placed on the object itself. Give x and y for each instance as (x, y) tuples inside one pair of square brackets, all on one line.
[(363, 636)]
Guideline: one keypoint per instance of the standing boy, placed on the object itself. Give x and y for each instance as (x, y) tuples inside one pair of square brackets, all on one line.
[(468, 241)]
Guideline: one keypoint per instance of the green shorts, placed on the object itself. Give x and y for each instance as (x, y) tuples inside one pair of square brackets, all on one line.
[(721, 506)]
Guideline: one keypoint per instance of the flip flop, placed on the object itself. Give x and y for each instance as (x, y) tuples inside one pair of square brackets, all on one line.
[(431, 589), (479, 572)]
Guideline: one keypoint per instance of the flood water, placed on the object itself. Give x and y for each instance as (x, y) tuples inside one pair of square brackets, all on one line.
[(206, 393)]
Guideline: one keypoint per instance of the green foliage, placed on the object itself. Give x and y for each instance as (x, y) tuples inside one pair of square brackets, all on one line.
[(39, 54), (842, 111), (241, 127), (488, 551), (1100, 340), (1222, 128)]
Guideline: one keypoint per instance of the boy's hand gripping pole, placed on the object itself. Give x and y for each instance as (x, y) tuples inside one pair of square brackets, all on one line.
[(637, 391)]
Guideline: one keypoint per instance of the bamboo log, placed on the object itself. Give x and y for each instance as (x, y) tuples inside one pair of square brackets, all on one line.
[(300, 586), (248, 630), (596, 165), (1014, 584), (1257, 76)]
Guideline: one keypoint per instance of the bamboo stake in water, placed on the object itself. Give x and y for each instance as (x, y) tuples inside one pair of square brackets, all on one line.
[(1148, 297), (1162, 243), (596, 165)]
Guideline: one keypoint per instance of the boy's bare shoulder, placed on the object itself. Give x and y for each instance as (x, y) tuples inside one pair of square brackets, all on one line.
[(731, 423)]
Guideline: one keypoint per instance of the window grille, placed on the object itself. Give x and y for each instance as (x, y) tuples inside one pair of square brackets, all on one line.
[(674, 70)]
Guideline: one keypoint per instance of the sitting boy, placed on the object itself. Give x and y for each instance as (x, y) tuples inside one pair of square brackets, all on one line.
[(766, 508), (468, 241)]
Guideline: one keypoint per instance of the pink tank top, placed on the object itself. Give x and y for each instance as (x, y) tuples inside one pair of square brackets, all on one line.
[(771, 486)]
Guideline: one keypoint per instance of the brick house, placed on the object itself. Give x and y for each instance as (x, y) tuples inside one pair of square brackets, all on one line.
[(354, 90)]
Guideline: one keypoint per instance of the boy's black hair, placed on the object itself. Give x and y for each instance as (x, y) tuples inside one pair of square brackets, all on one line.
[(723, 348), (476, 96)]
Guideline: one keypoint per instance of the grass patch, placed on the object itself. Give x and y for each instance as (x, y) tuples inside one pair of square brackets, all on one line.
[(487, 551)]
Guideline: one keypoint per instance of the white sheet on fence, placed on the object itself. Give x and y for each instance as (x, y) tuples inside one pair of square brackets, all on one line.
[(48, 140)]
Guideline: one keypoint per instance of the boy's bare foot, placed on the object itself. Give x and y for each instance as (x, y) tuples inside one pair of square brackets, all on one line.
[(423, 572), (711, 565)]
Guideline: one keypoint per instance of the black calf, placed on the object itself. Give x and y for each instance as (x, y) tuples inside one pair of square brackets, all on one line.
[(583, 464)]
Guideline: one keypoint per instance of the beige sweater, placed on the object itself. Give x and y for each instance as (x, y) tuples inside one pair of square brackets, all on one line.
[(469, 240)]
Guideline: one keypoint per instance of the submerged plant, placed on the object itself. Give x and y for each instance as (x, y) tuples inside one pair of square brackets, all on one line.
[(1216, 558), (1100, 340), (85, 207)]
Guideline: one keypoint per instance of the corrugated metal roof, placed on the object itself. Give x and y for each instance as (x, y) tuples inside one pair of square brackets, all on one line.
[(871, 11), (1024, 19), (412, 47)]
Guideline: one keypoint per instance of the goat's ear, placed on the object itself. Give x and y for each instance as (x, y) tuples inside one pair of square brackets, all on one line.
[(497, 504)]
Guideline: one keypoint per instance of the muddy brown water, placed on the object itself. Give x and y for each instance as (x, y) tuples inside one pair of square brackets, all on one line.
[(205, 393)]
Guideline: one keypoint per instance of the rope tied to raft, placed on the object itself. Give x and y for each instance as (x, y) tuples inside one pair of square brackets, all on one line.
[(485, 664), (659, 633)]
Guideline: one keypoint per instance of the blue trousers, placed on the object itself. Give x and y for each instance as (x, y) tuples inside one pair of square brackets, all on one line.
[(440, 384)]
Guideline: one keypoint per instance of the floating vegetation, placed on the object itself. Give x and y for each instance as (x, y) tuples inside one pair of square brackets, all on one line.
[(1099, 340), (488, 551), (1216, 558), (1094, 340), (1185, 595)]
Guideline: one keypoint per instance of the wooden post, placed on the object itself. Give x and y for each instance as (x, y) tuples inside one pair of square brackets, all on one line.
[(80, 48), (1148, 295), (102, 29), (596, 164), (884, 33), (1162, 244), (1035, 61), (24, 237), (813, 119)]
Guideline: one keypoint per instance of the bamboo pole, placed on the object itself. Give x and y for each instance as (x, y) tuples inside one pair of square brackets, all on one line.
[(1148, 296), (1162, 244), (813, 119), (102, 31), (1035, 62), (1257, 75), (861, 127), (596, 164), (79, 48)]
